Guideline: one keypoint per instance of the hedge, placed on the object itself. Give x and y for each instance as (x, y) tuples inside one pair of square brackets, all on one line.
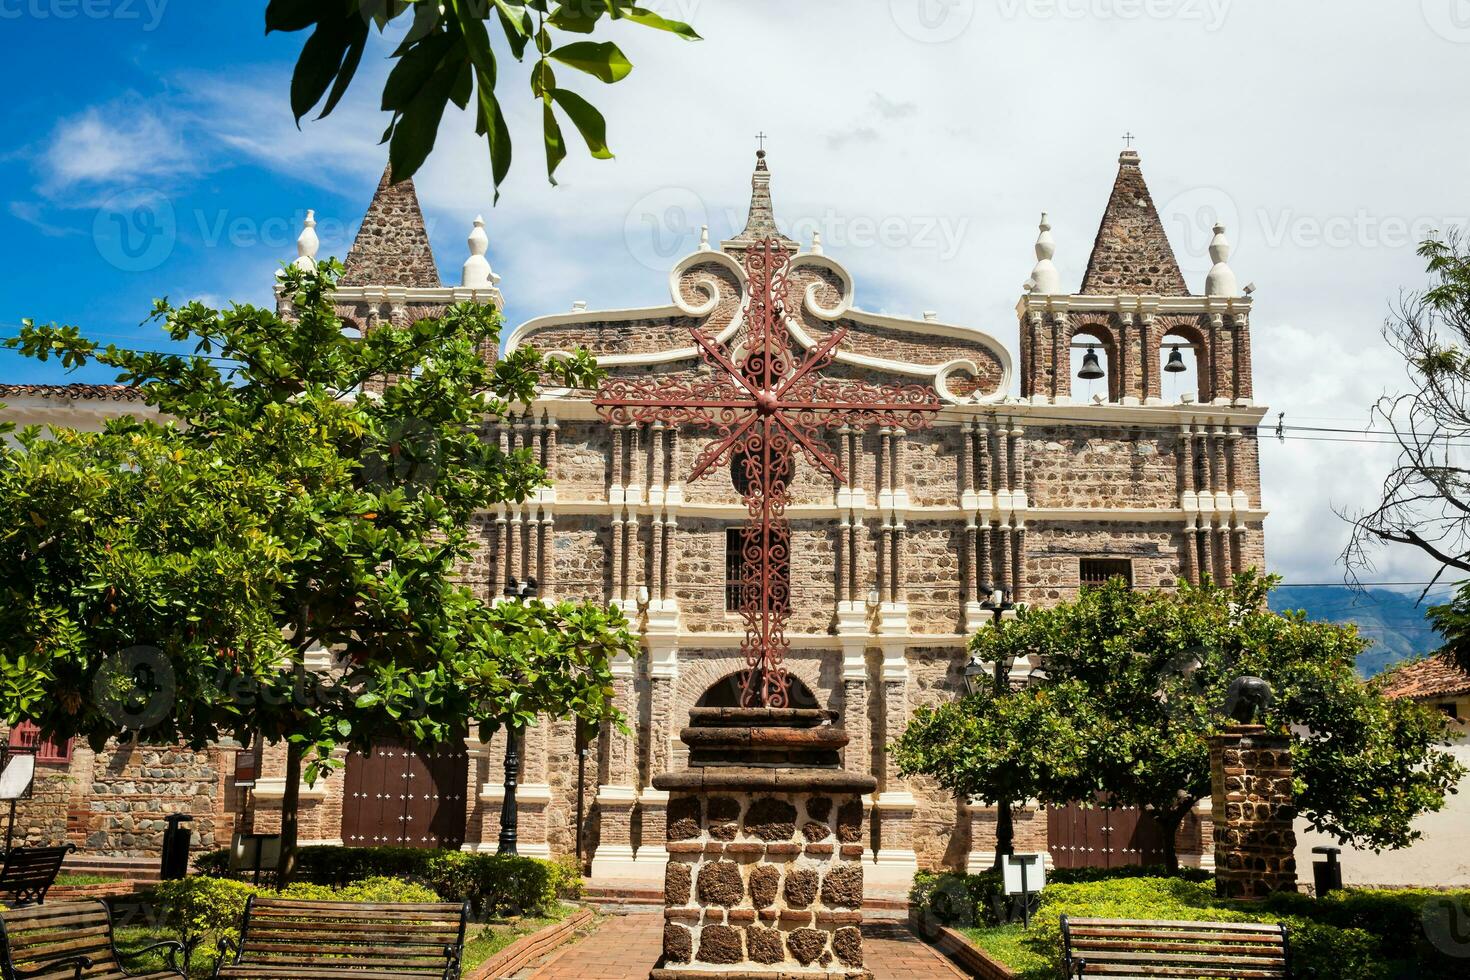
[(494, 885), (1349, 935)]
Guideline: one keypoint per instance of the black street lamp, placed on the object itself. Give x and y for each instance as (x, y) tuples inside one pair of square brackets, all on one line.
[(998, 603), (509, 820)]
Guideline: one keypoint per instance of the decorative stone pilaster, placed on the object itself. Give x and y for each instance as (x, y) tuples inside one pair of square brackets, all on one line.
[(1253, 811), (765, 873), (894, 862), (617, 797)]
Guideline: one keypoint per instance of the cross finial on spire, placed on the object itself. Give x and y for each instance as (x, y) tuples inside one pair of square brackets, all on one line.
[(760, 141), (1128, 139)]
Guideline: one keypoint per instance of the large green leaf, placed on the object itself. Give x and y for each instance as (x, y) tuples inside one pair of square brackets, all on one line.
[(556, 145), (601, 59), (588, 120)]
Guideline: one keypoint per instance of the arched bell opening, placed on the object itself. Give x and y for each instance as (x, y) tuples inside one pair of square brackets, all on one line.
[(1093, 356), (1181, 357)]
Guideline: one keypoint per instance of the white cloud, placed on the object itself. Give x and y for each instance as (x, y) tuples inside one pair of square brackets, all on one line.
[(119, 145)]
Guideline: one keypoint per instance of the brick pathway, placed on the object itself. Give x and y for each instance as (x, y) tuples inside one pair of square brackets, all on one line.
[(625, 947)]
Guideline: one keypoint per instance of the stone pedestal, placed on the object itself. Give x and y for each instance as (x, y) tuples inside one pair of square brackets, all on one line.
[(765, 831), (1250, 781)]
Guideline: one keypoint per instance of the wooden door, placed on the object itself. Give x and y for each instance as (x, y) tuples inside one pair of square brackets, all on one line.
[(1096, 837), (401, 796)]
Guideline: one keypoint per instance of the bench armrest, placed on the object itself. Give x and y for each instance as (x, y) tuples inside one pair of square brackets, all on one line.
[(172, 946), (224, 946), (78, 964), (1080, 966), (451, 969)]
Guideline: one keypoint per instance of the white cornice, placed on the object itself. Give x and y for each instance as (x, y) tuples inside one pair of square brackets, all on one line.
[(1142, 305)]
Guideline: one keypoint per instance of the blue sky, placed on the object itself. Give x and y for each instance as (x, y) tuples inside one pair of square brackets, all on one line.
[(922, 137)]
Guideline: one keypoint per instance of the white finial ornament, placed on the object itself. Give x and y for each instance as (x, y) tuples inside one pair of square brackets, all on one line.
[(816, 243), (1221, 281), (307, 244), (704, 238), (477, 273), (1045, 279)]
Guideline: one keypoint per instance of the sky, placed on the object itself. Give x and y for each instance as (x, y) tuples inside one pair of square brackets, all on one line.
[(151, 152)]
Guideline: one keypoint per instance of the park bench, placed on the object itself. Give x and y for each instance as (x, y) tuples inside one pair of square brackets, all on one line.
[(300, 940), (1152, 948), (29, 872), (69, 941)]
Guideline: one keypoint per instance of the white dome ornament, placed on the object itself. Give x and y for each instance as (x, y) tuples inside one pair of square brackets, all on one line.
[(1221, 281), (476, 273), (307, 244), (1045, 279)]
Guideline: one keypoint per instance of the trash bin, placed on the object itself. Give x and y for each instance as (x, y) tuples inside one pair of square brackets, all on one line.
[(1327, 875), (175, 857)]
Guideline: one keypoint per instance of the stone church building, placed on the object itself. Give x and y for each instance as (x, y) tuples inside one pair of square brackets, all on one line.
[(1029, 481)]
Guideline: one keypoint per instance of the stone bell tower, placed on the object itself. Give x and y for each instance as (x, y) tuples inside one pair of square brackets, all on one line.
[(1132, 306)]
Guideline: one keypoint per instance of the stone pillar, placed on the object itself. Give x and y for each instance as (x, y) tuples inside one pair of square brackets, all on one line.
[(894, 862), (1253, 811), (765, 873), (616, 797)]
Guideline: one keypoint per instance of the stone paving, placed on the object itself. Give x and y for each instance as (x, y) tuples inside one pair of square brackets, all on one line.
[(625, 947)]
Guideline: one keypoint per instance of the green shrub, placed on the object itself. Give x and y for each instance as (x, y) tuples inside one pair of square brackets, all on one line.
[(567, 877), (216, 864), (203, 909), (375, 890)]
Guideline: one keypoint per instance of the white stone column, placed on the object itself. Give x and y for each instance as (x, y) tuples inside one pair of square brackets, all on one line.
[(894, 863), (616, 797)]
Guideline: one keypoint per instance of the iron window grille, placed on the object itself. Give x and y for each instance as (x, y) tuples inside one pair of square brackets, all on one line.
[(1094, 572)]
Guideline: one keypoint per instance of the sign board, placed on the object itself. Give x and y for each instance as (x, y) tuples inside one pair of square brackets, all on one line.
[(1035, 873), (15, 780)]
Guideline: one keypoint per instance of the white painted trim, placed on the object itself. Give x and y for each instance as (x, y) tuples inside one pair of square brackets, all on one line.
[(274, 788)]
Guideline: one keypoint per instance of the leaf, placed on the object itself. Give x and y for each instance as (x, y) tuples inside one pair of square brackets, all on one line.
[(290, 15), (320, 62), (648, 18), (576, 17), (588, 120), (603, 60), (418, 125)]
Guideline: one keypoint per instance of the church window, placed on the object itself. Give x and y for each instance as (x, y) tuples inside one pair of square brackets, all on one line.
[(27, 736), (1100, 571)]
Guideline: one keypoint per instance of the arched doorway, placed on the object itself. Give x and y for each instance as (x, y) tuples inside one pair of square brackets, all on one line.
[(725, 693)]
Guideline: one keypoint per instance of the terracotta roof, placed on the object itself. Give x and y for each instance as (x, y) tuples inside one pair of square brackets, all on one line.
[(1436, 677), (1132, 255), (115, 393), (392, 245)]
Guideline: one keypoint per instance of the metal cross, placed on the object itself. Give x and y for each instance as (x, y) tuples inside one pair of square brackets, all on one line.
[(766, 405), (1128, 139), (760, 140)]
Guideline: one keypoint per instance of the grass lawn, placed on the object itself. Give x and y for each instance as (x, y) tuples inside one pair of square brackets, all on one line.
[(1005, 943), (84, 879), (482, 941)]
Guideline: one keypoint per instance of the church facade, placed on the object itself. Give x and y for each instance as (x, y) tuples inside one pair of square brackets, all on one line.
[(1025, 482)]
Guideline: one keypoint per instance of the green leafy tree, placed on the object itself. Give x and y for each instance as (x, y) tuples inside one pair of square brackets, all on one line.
[(1143, 677), (453, 52), (281, 558)]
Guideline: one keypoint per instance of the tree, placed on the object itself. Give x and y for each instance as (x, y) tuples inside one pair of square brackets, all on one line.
[(1143, 675), (447, 55), (281, 559), (1425, 502)]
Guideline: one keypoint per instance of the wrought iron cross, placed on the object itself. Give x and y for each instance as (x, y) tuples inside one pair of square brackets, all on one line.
[(766, 406)]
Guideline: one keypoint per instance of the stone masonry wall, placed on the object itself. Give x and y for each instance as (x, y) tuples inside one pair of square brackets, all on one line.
[(764, 879)]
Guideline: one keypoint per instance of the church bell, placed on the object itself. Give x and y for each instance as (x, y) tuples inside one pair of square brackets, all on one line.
[(1176, 362), (1091, 369)]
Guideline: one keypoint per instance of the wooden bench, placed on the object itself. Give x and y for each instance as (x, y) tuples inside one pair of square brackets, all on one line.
[(69, 941), (29, 872), (1153, 948), (304, 939)]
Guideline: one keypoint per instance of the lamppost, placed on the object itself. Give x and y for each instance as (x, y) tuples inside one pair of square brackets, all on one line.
[(997, 603), (519, 592)]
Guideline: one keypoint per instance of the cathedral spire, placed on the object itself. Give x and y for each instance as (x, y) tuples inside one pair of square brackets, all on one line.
[(761, 224), (1132, 255), (392, 246)]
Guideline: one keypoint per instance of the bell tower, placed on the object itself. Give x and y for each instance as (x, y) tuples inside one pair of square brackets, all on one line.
[(1134, 314)]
